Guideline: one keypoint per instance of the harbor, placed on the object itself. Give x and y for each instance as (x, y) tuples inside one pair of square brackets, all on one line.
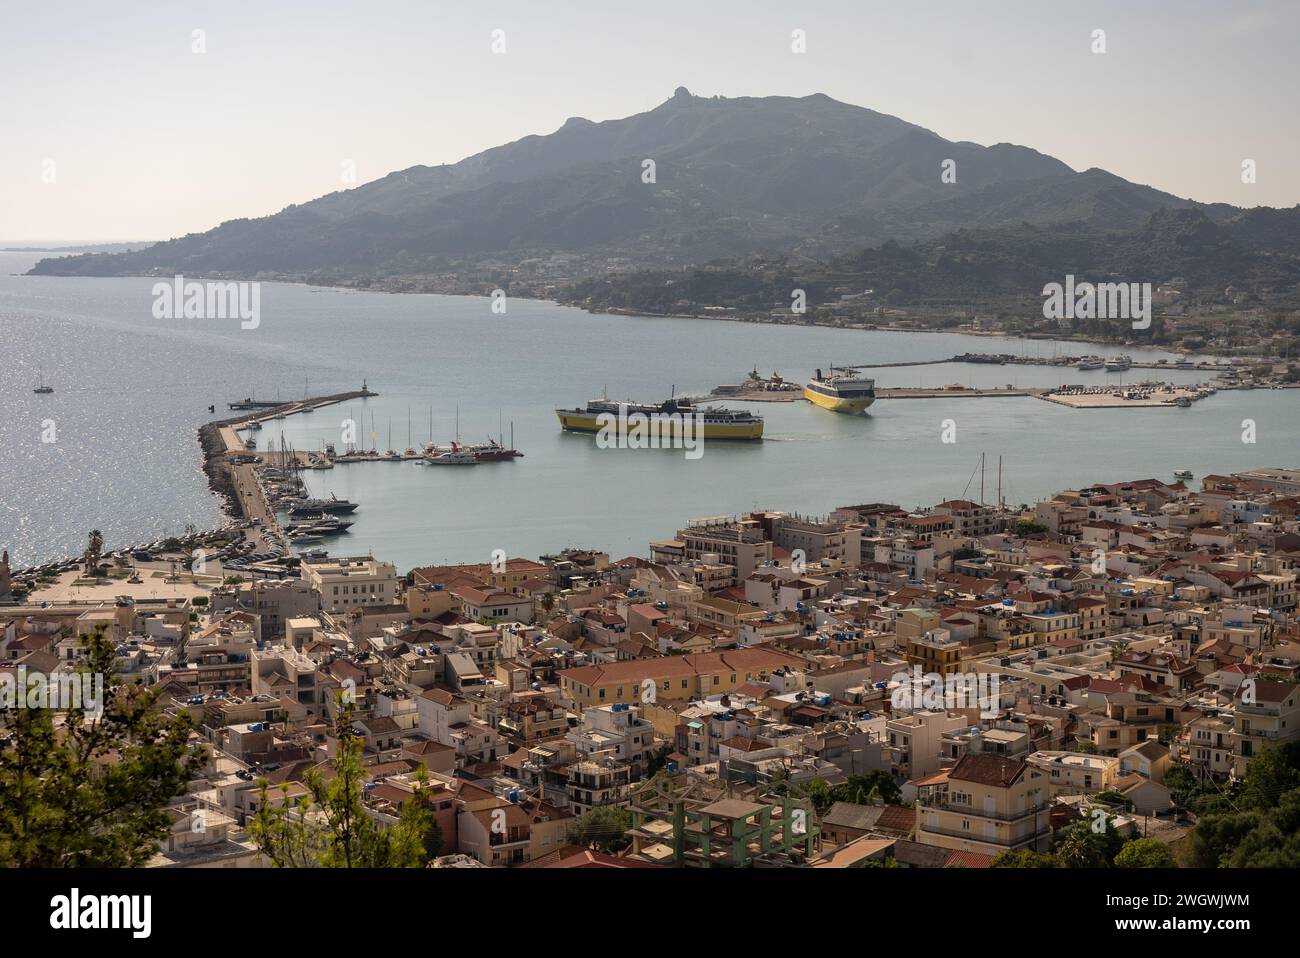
[(264, 488), (1147, 393), (402, 509)]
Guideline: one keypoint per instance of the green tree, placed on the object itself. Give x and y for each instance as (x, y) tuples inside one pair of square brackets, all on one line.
[(1027, 527), (860, 789), (329, 827), (1025, 859), (94, 548), (821, 794), (1184, 789), (547, 602), (92, 789), (603, 827), (1086, 846), (1259, 826), (1218, 834), (1271, 774), (1145, 853)]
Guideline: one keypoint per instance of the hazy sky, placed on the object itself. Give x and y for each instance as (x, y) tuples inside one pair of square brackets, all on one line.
[(145, 139)]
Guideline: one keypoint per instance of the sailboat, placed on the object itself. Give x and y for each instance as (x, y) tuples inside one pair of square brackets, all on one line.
[(410, 450), (42, 387)]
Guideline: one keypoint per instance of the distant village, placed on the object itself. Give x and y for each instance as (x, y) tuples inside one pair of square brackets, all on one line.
[(732, 696)]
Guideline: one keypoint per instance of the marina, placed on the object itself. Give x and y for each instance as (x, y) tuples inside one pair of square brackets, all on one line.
[(316, 333)]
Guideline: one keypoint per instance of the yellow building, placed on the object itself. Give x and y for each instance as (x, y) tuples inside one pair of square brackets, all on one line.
[(985, 803), (926, 643), (672, 678)]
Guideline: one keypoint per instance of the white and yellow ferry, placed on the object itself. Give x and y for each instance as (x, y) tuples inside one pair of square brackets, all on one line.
[(847, 393), (717, 422)]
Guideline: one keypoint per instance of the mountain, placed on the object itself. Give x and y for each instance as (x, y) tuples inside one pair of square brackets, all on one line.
[(733, 176), (1251, 257)]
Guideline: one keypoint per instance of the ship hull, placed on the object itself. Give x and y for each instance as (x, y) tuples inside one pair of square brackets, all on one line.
[(579, 421), (850, 407)]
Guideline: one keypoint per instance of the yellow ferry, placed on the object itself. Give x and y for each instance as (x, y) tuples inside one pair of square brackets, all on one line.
[(716, 422), (846, 393)]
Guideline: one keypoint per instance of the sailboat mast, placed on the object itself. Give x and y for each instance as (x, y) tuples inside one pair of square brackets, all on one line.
[(1000, 503)]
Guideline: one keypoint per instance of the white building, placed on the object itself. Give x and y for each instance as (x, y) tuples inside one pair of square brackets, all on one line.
[(617, 730), (348, 583)]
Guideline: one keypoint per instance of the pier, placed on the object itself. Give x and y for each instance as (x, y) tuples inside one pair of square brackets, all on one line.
[(231, 466)]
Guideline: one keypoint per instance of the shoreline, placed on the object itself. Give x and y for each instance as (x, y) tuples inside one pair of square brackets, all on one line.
[(648, 314)]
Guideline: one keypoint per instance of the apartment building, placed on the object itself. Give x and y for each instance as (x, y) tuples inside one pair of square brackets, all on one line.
[(617, 730), (1267, 714), (934, 651), (1076, 773), (741, 544), (273, 601), (285, 672), (969, 518), (599, 780), (819, 540), (449, 719), (1207, 745), (345, 584), (914, 742), (987, 804), (670, 678)]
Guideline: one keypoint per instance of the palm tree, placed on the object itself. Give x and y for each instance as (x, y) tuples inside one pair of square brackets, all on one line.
[(94, 547), (547, 602)]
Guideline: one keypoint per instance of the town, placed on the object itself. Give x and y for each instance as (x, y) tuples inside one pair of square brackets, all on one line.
[(746, 693)]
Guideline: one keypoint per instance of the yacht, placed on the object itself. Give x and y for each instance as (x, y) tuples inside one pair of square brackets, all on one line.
[(453, 457), (322, 523), (42, 387), (1119, 364), (1183, 474), (847, 393), (1091, 362), (311, 507)]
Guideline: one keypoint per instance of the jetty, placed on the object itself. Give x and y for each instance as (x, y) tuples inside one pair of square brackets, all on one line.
[(231, 466)]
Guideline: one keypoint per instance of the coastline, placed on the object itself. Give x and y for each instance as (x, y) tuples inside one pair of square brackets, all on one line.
[(483, 291)]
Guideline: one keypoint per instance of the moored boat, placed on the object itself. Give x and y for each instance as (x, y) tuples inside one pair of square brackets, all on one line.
[(311, 507), (452, 457)]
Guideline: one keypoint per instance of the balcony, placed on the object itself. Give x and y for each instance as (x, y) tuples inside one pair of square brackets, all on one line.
[(999, 840), (969, 811)]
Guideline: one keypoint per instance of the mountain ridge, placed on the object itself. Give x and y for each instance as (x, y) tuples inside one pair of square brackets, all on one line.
[(733, 176)]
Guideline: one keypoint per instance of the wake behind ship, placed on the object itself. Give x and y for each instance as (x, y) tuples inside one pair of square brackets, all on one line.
[(717, 422), (846, 393)]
